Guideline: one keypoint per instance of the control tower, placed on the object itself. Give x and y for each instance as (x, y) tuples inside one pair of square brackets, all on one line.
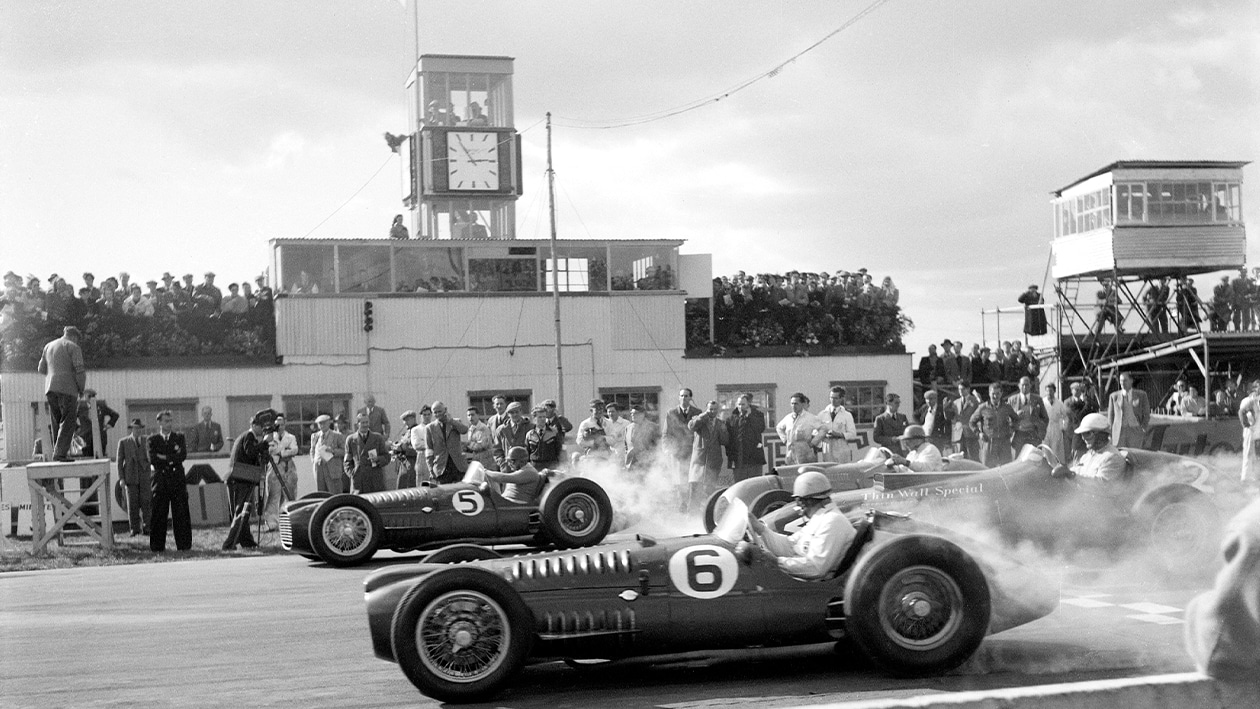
[(1128, 241)]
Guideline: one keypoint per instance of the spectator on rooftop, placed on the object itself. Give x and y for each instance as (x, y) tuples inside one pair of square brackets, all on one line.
[(234, 303)]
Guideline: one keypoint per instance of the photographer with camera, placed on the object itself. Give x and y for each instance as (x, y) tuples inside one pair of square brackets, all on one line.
[(250, 455), (405, 453)]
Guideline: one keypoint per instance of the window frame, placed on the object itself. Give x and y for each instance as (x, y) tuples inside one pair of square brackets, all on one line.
[(625, 398), (524, 396), (177, 405), (728, 395), (877, 405), (302, 426)]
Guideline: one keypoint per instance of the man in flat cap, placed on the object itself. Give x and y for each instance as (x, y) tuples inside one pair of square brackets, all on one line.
[(65, 378), (328, 448), (511, 433), (134, 470)]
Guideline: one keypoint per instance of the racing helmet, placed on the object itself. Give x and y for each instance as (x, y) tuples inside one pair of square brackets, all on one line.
[(1094, 422), (811, 484), (913, 431)]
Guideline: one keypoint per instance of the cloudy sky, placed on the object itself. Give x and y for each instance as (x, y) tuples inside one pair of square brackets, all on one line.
[(921, 143)]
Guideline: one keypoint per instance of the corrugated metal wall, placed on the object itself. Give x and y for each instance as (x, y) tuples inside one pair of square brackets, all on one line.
[(320, 326), (1214, 247)]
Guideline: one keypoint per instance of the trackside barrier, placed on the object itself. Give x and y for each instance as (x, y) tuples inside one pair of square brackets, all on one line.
[(1175, 691)]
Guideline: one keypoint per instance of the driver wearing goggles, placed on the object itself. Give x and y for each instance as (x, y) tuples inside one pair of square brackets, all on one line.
[(815, 549)]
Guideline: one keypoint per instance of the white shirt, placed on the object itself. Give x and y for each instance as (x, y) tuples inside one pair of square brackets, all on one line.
[(798, 427), (813, 551), (615, 432), (1106, 464)]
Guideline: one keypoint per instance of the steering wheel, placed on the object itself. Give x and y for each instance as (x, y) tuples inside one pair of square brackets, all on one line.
[(1051, 457)]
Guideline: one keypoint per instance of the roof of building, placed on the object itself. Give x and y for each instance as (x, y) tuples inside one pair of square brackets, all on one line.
[(1154, 165)]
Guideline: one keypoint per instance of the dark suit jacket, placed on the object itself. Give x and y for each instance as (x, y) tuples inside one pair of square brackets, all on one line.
[(940, 424), (960, 411), (378, 421), (710, 436), (506, 438), (444, 449), (357, 458), (133, 461), (1031, 416), (743, 439), (203, 438), (677, 434), (176, 451)]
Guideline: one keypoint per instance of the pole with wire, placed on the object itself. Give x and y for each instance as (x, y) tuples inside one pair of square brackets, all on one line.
[(555, 270)]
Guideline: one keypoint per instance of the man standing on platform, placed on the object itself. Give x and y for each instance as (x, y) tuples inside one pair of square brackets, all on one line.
[(378, 421), (1129, 411), (135, 472), (167, 452), (207, 435), (65, 378)]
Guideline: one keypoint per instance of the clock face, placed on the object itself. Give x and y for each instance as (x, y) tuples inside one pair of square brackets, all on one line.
[(472, 160)]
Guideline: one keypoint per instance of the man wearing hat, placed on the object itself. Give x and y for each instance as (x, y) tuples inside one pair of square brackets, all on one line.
[(248, 462), (378, 420), (134, 470), (209, 293), (561, 424), (167, 452), (921, 456), (511, 433), (328, 447), (642, 438), (544, 442), (405, 452), (1101, 462), (592, 437)]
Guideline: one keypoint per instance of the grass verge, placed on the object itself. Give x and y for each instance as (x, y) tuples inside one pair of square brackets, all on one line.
[(16, 554)]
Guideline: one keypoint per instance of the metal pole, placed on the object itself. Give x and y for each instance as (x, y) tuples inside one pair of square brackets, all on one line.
[(414, 143), (555, 270), (984, 339)]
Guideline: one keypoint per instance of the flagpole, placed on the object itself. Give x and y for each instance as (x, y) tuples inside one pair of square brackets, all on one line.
[(555, 269)]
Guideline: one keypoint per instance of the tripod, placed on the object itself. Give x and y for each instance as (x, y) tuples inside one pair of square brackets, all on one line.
[(272, 467)]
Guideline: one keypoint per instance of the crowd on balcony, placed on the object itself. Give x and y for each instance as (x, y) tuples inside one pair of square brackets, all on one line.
[(806, 309), (119, 317)]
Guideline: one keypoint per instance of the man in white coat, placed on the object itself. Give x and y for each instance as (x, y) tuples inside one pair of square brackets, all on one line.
[(1059, 431), (839, 432)]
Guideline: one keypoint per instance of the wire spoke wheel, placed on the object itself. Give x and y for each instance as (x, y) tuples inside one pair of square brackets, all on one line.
[(578, 513), (920, 607), (463, 636), (348, 530)]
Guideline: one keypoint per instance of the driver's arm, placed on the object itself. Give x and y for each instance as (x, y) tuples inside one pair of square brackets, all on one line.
[(519, 477), (774, 543), (821, 549)]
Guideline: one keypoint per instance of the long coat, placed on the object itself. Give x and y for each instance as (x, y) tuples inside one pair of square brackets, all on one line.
[(744, 447), (709, 437), (133, 461), (445, 450)]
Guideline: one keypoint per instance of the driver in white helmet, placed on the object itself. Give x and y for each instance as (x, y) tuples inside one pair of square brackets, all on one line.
[(815, 549), (1101, 460), (920, 455)]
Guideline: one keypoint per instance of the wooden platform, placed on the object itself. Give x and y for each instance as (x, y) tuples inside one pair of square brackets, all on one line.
[(46, 482)]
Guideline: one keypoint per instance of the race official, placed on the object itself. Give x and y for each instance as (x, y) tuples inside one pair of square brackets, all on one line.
[(167, 452), (813, 551)]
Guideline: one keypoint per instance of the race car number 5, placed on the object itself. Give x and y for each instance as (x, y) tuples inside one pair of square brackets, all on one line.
[(468, 502), (704, 571)]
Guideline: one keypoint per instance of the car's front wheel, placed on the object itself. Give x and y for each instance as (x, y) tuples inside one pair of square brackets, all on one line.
[(714, 507), (917, 605), (461, 634), (577, 513), (345, 530), (1181, 530)]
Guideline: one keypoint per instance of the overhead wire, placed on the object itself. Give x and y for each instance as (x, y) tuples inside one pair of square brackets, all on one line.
[(588, 124)]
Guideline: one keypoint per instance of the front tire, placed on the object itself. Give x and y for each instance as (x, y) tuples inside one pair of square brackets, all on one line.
[(577, 513), (917, 605), (769, 501), (345, 530), (1181, 532), (461, 634)]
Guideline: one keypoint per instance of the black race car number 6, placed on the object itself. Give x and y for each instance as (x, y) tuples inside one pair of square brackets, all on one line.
[(468, 502), (703, 571)]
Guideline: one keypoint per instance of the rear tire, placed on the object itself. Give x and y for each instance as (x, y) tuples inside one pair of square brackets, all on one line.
[(711, 514), (577, 513), (345, 530), (917, 605), (461, 634), (1181, 530)]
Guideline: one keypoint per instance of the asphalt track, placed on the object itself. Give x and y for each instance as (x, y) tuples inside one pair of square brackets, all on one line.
[(281, 631)]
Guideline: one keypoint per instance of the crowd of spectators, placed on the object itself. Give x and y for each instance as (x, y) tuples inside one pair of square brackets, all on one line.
[(1174, 306), (119, 317), (803, 310)]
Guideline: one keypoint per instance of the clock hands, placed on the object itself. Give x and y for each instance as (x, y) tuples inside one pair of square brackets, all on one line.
[(460, 139)]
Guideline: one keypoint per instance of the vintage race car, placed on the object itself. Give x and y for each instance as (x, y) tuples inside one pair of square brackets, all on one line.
[(1166, 504), (769, 492), (348, 529), (915, 598)]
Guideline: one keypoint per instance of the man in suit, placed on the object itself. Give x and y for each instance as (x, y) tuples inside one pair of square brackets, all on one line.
[(677, 440), (167, 452), (931, 368), (444, 449), (106, 418), (934, 420), (890, 425), (328, 450), (706, 454), (1032, 418), (135, 472), (378, 421), (207, 435), (1079, 406), (1129, 411), (959, 412), (745, 452), (994, 421), (366, 456), (65, 378)]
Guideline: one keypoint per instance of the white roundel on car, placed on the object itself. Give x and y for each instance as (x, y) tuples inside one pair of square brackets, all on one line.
[(468, 502), (703, 571)]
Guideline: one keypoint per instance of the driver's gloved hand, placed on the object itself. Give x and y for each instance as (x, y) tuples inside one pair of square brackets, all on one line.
[(1062, 471)]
